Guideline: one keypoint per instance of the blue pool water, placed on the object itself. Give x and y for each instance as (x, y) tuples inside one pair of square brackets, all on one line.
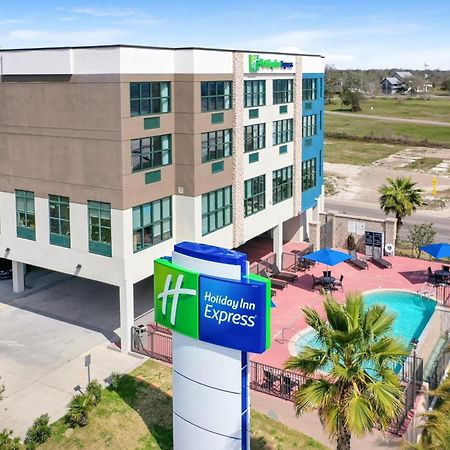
[(413, 313)]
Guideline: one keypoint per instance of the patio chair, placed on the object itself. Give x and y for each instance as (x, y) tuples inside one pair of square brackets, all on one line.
[(446, 268), (431, 276), (304, 264), (355, 261), (287, 384), (327, 273), (316, 282), (377, 259), (278, 284), (269, 380), (281, 274), (338, 283)]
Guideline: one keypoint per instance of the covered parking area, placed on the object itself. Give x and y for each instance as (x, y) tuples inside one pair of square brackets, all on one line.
[(47, 331)]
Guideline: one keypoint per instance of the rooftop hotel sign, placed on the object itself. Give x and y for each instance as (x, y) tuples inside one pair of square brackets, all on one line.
[(230, 313), (257, 64)]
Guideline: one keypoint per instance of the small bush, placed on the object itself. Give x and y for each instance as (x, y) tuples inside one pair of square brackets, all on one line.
[(115, 380), (38, 433), (94, 388), (8, 442), (79, 408)]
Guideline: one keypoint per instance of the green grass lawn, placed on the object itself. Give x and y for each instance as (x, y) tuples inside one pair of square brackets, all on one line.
[(341, 151), (437, 109), (138, 415), (364, 127), (424, 163)]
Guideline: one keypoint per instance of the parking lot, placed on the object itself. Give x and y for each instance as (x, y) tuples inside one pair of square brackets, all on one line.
[(45, 334)]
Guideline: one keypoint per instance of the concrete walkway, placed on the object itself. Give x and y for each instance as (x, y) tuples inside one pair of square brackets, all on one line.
[(310, 425), (388, 118)]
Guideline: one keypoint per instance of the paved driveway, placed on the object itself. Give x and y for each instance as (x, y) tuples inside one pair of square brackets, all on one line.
[(45, 336)]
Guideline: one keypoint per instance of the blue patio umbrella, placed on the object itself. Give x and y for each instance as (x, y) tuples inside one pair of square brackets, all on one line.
[(328, 256), (441, 250)]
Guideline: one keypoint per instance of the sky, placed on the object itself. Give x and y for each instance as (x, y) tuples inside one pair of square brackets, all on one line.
[(350, 34)]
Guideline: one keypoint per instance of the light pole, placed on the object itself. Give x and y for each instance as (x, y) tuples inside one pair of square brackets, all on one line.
[(414, 343)]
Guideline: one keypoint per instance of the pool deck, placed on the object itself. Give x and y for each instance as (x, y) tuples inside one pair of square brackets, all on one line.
[(287, 317)]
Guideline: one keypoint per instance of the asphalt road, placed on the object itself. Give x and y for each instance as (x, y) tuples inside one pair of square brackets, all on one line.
[(441, 223)]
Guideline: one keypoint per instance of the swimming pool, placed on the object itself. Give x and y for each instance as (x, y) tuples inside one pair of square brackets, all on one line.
[(413, 313)]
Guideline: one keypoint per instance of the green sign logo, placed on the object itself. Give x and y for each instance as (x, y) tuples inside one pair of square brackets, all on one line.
[(176, 298), (255, 63)]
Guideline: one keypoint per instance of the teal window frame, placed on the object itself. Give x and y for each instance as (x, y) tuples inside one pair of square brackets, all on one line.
[(217, 211), (283, 91), (152, 223), (283, 131), (217, 145), (254, 137), (59, 220), (310, 89), (150, 97), (281, 184), (216, 95), (150, 152), (25, 215), (254, 93), (254, 195), (100, 229), (309, 125), (309, 174)]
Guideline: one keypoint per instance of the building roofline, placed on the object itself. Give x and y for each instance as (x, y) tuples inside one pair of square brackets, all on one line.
[(150, 47)]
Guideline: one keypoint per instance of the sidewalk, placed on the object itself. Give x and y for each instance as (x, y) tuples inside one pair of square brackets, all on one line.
[(310, 425)]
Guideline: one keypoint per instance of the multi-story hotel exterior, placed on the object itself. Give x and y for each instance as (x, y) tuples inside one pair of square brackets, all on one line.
[(110, 155)]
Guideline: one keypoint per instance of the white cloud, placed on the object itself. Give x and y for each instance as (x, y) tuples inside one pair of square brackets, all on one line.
[(104, 12), (81, 37), (12, 21)]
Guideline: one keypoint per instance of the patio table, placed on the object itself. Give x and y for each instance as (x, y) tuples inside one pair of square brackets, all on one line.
[(443, 275), (327, 282)]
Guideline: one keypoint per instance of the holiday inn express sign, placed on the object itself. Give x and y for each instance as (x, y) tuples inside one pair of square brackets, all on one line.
[(230, 313), (255, 64)]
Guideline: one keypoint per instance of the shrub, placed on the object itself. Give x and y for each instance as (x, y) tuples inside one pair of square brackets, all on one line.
[(38, 433), (94, 388), (79, 408), (8, 442), (351, 245), (115, 380)]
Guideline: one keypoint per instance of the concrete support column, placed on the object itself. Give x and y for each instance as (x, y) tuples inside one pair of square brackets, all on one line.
[(278, 243), (18, 269), (126, 314)]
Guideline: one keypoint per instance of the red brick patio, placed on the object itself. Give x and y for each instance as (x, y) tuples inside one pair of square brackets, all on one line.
[(406, 273)]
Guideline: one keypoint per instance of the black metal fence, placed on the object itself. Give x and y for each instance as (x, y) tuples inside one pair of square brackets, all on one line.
[(153, 341), (440, 364), (273, 381), (156, 342)]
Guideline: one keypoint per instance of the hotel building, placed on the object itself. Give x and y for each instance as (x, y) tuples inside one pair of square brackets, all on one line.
[(110, 155)]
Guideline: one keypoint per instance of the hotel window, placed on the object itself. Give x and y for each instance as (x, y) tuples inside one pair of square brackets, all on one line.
[(152, 223), (310, 86), (216, 210), (309, 126), (255, 137), (281, 184), (25, 215), (254, 93), (255, 195), (151, 152), (149, 98), (216, 145), (215, 95), (99, 228), (308, 174), (59, 219), (283, 131), (283, 91)]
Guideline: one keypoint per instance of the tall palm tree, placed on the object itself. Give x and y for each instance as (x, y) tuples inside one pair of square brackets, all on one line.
[(400, 197), (356, 348)]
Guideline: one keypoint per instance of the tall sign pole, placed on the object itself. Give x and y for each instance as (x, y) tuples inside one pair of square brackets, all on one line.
[(218, 312)]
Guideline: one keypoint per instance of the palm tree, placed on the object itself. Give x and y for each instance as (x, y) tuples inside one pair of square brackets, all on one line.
[(356, 348), (400, 197)]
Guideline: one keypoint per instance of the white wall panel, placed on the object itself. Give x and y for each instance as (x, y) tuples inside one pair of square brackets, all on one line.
[(313, 64), (32, 62)]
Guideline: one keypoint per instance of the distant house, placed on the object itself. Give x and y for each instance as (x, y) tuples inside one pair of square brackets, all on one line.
[(391, 85), (403, 77)]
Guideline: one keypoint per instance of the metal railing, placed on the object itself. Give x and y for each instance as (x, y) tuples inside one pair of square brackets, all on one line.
[(153, 342), (439, 366)]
